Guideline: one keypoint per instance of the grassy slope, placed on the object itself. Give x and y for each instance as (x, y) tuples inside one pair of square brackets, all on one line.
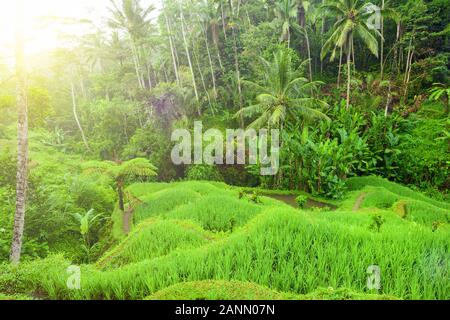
[(359, 183), (237, 290), (284, 252)]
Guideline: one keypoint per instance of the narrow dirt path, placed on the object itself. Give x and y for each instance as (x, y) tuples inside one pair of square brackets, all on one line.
[(128, 214), (359, 201)]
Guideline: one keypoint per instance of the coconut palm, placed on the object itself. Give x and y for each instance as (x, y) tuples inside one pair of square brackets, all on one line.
[(122, 173), (286, 11), (133, 19), (352, 20), (284, 93), (22, 139)]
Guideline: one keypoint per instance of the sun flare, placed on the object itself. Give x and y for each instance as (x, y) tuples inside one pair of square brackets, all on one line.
[(45, 21)]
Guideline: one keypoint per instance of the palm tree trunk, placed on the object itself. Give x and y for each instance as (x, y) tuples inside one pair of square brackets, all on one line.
[(388, 102), (408, 73), (22, 142), (74, 110), (186, 47), (213, 76), (396, 52), (149, 76), (353, 54), (223, 20), (238, 76), (175, 68), (349, 69), (321, 40), (308, 48), (289, 38), (137, 66), (340, 69), (202, 79), (382, 44)]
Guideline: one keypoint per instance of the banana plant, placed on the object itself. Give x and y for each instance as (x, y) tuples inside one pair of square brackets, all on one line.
[(85, 222), (441, 92)]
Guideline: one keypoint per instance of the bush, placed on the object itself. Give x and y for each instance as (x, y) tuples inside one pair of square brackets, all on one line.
[(203, 173), (301, 201)]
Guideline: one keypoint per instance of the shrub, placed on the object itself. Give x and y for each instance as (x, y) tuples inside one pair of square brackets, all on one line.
[(301, 201), (203, 173)]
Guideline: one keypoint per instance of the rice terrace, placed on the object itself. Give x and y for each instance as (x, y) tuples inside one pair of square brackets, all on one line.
[(241, 150)]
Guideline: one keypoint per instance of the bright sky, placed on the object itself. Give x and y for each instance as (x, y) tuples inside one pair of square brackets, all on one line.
[(41, 33)]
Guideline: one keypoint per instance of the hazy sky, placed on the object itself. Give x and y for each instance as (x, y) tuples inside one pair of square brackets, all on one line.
[(39, 32)]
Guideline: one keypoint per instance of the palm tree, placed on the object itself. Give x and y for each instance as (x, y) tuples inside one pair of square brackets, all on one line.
[(122, 173), (284, 93), (22, 133), (131, 18), (75, 115), (289, 11), (286, 11), (389, 13), (352, 16), (188, 55)]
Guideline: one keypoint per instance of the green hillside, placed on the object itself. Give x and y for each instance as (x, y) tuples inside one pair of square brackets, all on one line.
[(196, 231)]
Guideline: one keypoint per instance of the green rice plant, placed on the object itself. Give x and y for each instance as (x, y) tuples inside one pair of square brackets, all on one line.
[(287, 252), (154, 238), (164, 201), (378, 198), (377, 222), (358, 183), (219, 213), (423, 212), (138, 190), (219, 290)]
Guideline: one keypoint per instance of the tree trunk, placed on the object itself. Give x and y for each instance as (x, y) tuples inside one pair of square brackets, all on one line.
[(353, 54), (382, 44), (223, 20), (213, 76), (183, 31), (349, 70), (340, 69), (321, 40), (149, 76), (388, 102), (238, 76), (172, 51), (74, 109), (136, 65), (202, 79), (308, 48), (22, 141), (408, 73)]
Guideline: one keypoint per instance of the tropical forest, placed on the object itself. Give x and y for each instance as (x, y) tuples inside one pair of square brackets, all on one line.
[(350, 103)]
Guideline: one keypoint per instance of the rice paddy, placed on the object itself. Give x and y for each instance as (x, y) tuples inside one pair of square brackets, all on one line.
[(200, 240)]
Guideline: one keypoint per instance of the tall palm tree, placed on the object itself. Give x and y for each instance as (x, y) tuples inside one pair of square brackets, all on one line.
[(284, 93), (286, 11), (134, 20), (352, 16), (386, 13), (22, 138)]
